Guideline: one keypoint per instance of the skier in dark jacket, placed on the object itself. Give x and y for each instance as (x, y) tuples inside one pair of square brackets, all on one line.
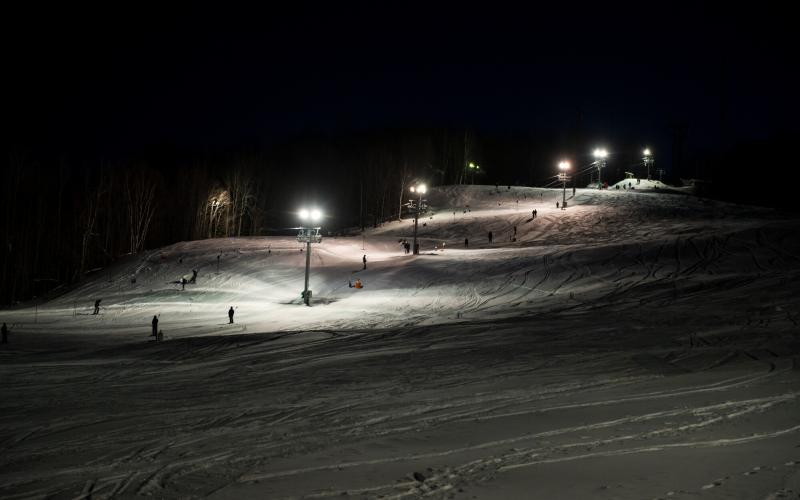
[(364, 260), (230, 316), (97, 306), (194, 277), (183, 283), (490, 236), (466, 242), (155, 326)]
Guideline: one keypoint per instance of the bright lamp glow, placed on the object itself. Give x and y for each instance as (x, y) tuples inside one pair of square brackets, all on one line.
[(303, 214), (471, 165), (600, 153), (647, 151), (563, 165), (413, 189), (422, 188), (316, 214)]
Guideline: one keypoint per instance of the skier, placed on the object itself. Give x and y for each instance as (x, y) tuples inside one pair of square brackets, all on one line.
[(556, 204), (573, 190), (230, 316), (194, 277), (466, 242), (183, 283), (533, 214), (155, 326), (515, 231), (4, 331), (97, 306), (364, 260), (490, 236)]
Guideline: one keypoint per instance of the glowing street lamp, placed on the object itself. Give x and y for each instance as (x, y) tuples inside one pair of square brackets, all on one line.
[(648, 160), (600, 155), (309, 233), (419, 189), (563, 166)]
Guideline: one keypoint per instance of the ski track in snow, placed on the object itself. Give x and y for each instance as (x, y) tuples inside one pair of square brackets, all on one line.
[(631, 324)]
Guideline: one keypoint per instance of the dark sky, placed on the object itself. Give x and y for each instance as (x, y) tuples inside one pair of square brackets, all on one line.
[(114, 82)]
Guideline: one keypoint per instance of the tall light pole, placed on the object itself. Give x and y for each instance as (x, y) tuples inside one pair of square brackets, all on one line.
[(419, 189), (648, 160), (600, 156), (563, 166), (309, 233)]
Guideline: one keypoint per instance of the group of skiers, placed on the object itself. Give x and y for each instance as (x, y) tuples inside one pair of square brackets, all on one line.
[(159, 335)]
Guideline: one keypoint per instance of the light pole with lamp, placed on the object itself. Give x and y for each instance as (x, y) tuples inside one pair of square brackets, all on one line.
[(309, 233), (563, 166), (473, 168), (648, 160), (419, 189), (600, 155)]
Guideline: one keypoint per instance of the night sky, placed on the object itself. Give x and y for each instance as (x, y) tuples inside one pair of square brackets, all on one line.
[(111, 84)]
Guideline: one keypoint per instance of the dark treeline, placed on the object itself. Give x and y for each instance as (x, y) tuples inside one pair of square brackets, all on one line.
[(65, 216)]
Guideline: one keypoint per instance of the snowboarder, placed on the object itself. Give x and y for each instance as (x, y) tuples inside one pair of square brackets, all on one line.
[(155, 326), (97, 306), (230, 316), (4, 331), (466, 242), (490, 236), (183, 283), (364, 260)]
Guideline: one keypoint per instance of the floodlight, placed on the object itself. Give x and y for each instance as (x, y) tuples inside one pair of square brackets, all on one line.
[(316, 215), (303, 214)]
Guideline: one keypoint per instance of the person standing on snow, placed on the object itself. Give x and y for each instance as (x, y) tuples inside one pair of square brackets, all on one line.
[(230, 316), (97, 306), (183, 283), (466, 242), (155, 326), (364, 260), (556, 204), (490, 236)]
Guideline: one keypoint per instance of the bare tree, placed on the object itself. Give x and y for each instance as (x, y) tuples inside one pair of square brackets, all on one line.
[(240, 189), (139, 187)]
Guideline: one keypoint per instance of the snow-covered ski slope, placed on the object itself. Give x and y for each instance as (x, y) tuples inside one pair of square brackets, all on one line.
[(636, 345)]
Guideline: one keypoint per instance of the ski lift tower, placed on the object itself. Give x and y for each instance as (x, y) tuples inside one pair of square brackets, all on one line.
[(563, 166), (418, 208), (600, 156), (309, 233), (648, 161)]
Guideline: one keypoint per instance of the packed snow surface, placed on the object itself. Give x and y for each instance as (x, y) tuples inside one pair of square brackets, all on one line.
[(638, 344)]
